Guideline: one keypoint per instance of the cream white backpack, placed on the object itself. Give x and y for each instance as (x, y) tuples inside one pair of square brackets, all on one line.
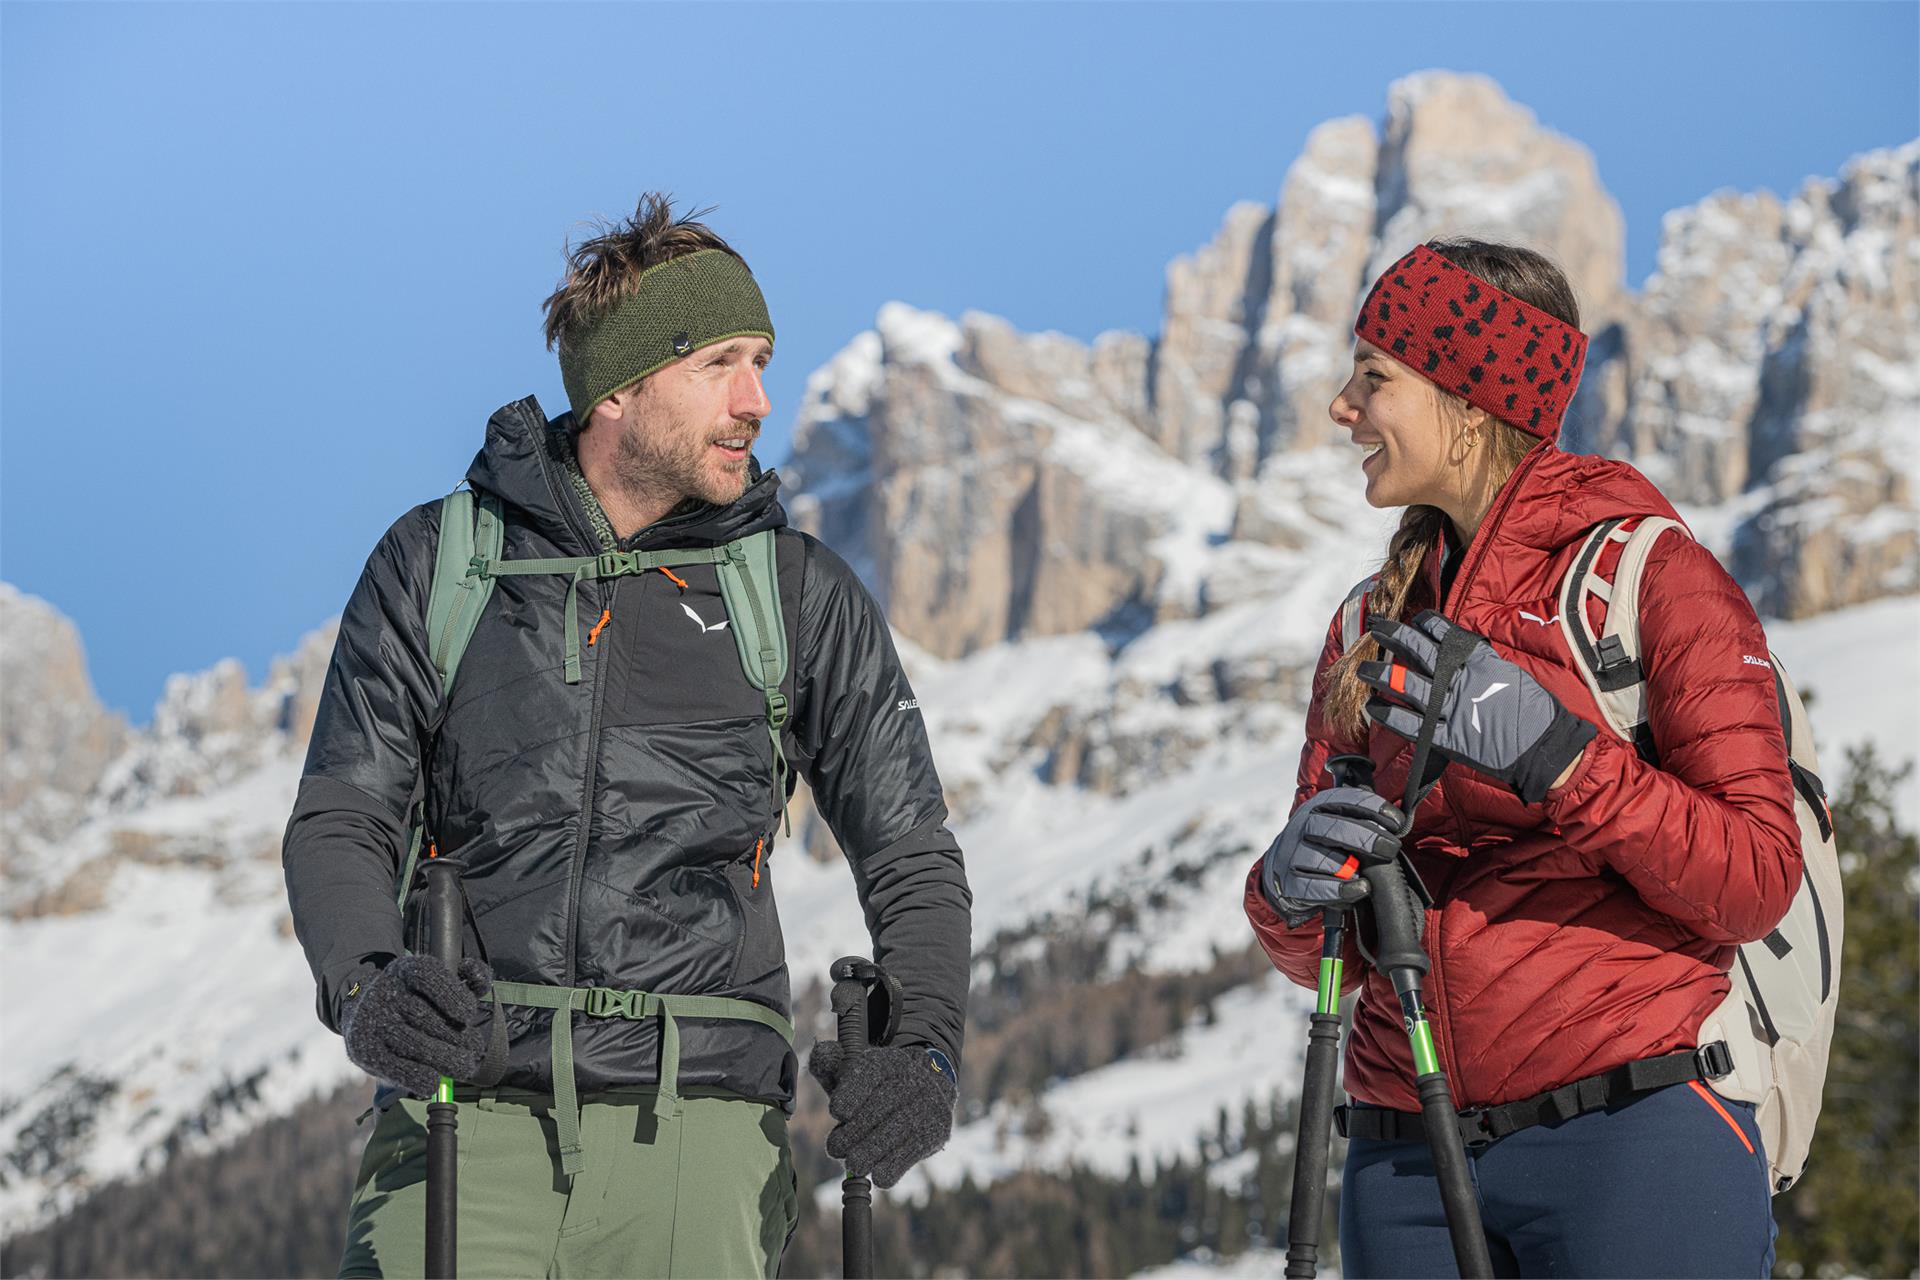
[(1777, 1022)]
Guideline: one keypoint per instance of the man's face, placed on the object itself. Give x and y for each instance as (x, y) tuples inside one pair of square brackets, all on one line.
[(688, 429)]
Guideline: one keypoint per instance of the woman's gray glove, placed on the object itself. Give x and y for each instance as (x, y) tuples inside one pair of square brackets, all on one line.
[(416, 1021), (1496, 719), (1318, 861), (894, 1105)]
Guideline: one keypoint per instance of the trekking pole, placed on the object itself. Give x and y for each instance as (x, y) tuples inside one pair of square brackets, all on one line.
[(852, 976), (1398, 916), (1323, 1071), (443, 1114)]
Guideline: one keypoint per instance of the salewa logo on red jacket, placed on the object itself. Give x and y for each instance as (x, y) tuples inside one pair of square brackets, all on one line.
[(1752, 661)]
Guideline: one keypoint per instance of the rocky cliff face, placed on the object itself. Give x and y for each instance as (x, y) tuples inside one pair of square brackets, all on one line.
[(994, 485), (56, 740), (71, 766), (1769, 366)]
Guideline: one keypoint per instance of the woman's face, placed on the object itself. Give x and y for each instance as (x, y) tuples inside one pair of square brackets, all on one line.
[(1396, 416)]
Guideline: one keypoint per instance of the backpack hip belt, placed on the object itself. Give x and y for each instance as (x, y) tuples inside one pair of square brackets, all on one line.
[(1480, 1126), (608, 1002)]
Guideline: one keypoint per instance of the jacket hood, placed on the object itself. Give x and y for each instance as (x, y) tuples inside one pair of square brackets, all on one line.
[(525, 461), (1553, 498)]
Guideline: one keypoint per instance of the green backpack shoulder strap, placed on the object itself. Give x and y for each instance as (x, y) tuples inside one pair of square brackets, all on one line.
[(750, 584), (469, 530)]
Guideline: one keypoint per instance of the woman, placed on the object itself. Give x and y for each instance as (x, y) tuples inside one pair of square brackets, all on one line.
[(1587, 902)]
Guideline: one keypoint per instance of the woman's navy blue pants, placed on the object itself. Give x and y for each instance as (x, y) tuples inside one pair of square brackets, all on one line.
[(1672, 1183)]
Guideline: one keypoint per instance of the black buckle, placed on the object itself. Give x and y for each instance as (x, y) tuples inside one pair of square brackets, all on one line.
[(1476, 1128), (1613, 653), (1713, 1060)]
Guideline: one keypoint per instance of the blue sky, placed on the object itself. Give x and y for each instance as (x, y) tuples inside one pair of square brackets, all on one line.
[(265, 269)]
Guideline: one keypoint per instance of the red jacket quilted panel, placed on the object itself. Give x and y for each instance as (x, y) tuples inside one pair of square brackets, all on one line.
[(1597, 927)]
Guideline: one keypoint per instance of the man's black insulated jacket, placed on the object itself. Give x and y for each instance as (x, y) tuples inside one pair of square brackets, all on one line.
[(609, 827)]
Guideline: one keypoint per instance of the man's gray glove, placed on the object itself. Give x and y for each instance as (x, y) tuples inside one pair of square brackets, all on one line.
[(1496, 719), (894, 1105), (1317, 861), (416, 1021)]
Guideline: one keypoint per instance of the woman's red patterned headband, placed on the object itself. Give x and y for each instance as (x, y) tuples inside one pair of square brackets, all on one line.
[(1448, 325)]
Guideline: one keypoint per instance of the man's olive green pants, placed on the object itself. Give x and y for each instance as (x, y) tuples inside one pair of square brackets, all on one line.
[(710, 1192)]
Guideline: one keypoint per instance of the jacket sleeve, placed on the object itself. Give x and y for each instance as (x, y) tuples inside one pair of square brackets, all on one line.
[(1709, 837), (864, 752), (348, 834), (1296, 952)]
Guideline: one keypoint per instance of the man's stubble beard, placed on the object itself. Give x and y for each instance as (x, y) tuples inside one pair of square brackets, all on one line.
[(650, 469)]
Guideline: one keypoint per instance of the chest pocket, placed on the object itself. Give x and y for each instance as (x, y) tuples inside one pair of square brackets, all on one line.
[(672, 655)]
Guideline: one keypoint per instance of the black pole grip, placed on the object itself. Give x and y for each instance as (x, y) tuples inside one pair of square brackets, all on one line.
[(443, 1118), (1399, 920), (1351, 771), (1442, 1124), (852, 978), (1310, 1149)]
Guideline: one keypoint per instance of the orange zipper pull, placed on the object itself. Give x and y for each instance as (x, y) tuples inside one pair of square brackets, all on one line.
[(759, 847), (673, 577), (606, 616)]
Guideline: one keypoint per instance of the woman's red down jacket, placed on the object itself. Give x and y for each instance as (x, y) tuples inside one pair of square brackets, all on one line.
[(1597, 927)]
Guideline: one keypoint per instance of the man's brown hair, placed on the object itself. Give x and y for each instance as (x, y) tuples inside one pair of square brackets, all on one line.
[(607, 268)]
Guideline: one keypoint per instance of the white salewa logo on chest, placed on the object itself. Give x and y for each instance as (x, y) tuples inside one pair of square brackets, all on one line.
[(1752, 661), (718, 626), (1491, 690), (1536, 618)]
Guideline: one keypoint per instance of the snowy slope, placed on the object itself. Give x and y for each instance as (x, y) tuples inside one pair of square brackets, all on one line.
[(180, 1011)]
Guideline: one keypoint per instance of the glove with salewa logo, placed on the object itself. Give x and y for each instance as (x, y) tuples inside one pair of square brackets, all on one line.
[(416, 1020), (1495, 718), (894, 1105)]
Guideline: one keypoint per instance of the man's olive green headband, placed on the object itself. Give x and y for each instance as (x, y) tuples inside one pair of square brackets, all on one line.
[(681, 305)]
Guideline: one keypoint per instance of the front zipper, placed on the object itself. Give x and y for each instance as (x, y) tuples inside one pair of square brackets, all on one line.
[(1476, 556), (576, 868)]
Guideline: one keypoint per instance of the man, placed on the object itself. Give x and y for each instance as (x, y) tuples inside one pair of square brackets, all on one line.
[(611, 780)]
